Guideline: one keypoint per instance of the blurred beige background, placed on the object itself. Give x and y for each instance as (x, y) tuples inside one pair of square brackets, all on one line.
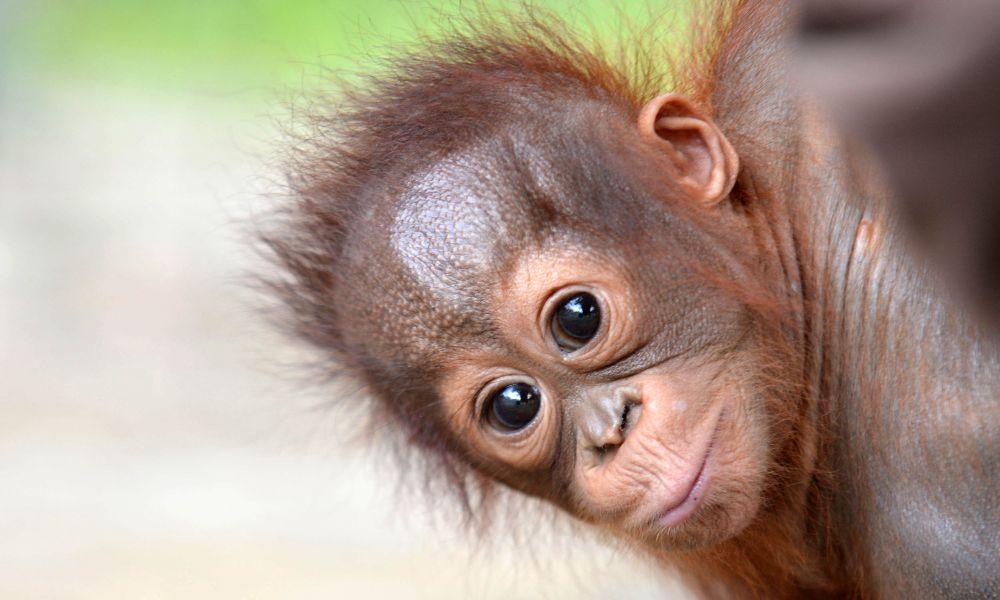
[(153, 443)]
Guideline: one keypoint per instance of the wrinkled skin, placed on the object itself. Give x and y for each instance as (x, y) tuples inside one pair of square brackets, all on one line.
[(778, 401), (674, 352)]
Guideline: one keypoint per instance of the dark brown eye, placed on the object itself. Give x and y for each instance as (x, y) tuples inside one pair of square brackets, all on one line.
[(575, 321), (516, 405)]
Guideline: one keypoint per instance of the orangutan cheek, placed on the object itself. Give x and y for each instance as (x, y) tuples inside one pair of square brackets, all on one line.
[(739, 468), (698, 447), (660, 457)]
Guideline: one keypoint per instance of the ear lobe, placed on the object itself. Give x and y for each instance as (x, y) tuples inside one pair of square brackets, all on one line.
[(704, 158)]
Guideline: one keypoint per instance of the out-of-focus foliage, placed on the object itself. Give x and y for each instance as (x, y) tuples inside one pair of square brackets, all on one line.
[(216, 43)]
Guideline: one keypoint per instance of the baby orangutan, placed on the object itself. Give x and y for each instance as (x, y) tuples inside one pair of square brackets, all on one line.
[(684, 316)]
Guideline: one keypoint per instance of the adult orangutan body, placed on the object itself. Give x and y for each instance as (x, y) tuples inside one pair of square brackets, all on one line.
[(685, 318)]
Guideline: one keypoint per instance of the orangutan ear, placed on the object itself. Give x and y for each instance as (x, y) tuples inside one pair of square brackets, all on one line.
[(704, 158)]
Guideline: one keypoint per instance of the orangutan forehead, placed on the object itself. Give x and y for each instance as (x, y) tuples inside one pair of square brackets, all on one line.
[(447, 227), (429, 257), (459, 225), (462, 219)]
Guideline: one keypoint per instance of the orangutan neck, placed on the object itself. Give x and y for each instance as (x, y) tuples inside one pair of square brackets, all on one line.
[(900, 384), (883, 338)]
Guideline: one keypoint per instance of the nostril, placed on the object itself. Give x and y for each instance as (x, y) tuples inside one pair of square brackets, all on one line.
[(605, 423), (630, 414), (605, 452)]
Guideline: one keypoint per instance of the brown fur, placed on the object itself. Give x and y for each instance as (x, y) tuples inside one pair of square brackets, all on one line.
[(458, 88)]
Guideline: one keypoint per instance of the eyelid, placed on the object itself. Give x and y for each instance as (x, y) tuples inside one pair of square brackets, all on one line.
[(483, 394), (625, 366)]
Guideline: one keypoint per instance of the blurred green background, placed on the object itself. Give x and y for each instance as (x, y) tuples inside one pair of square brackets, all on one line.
[(153, 439), (219, 43)]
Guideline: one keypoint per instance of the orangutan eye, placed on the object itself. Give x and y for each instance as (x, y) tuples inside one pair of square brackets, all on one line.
[(575, 321), (515, 406)]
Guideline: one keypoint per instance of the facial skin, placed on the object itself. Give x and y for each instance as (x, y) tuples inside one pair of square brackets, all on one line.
[(649, 447), (649, 423), (545, 276)]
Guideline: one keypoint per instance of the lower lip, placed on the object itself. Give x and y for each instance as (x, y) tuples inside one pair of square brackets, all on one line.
[(679, 513)]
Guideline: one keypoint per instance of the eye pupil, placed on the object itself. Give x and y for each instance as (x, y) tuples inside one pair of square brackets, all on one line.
[(516, 405), (579, 317)]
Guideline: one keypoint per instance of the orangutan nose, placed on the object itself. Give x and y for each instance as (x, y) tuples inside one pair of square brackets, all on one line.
[(605, 417)]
